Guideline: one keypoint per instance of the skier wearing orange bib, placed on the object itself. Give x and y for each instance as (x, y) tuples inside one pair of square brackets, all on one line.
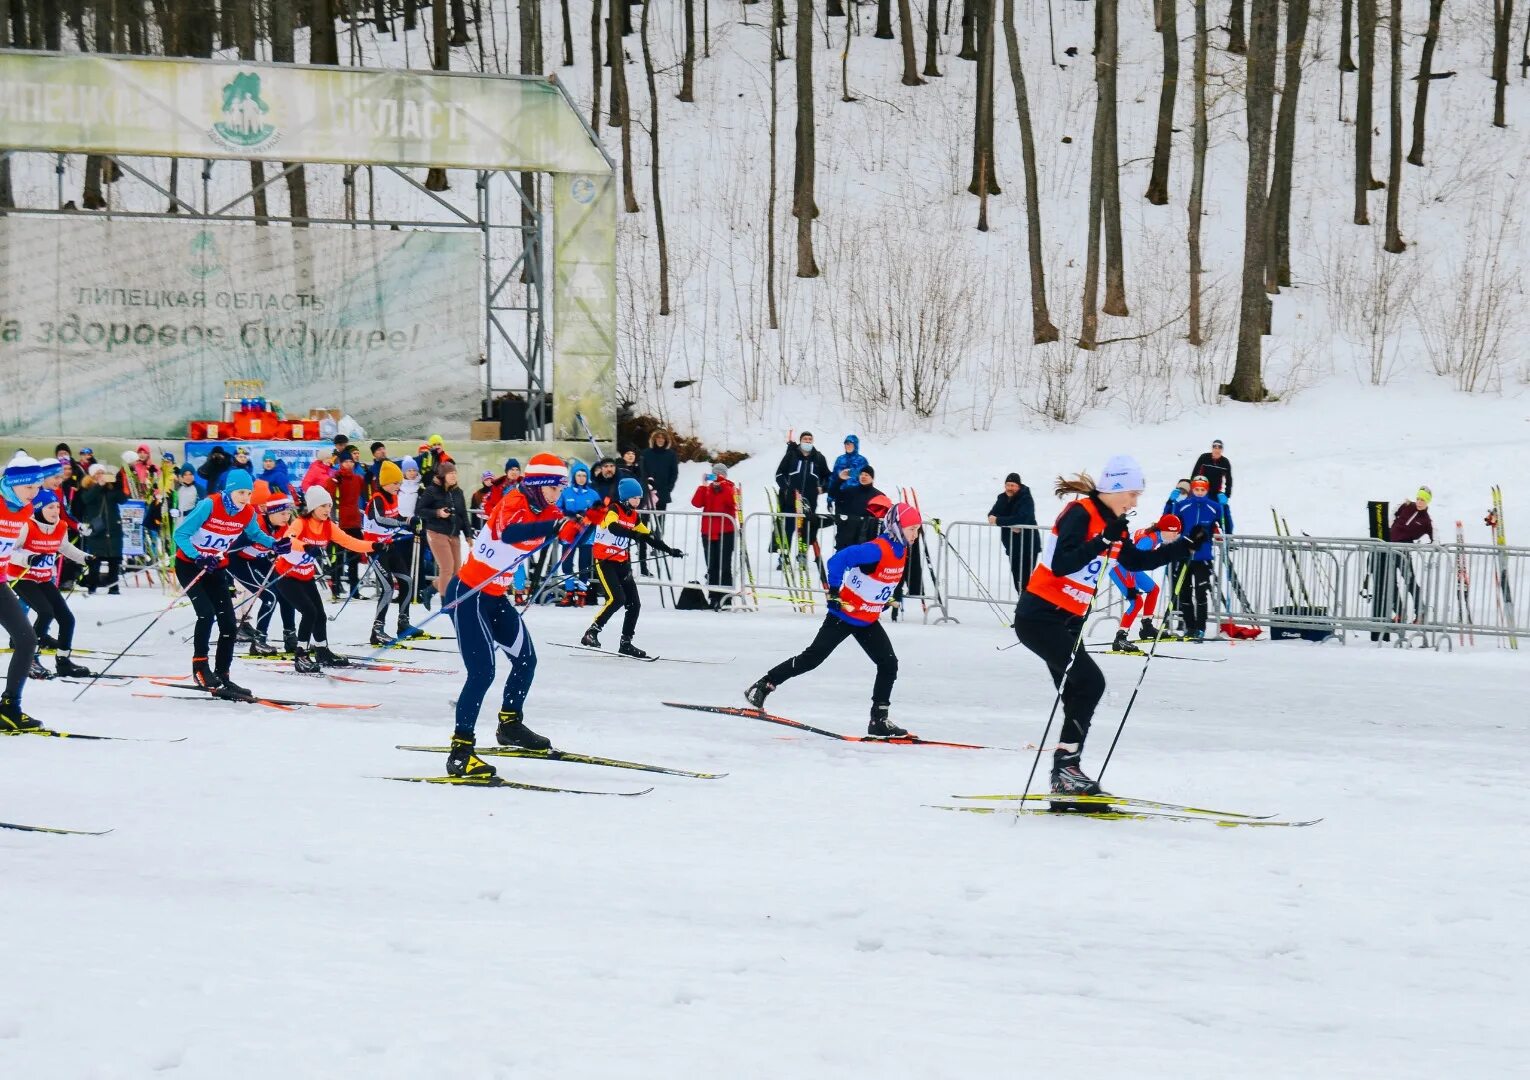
[(486, 620), (862, 579), (297, 577), (1049, 619), (19, 485), (35, 566)]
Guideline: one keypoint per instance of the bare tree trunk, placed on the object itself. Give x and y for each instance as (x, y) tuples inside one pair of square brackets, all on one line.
[(773, 319), (1168, 28), (1089, 329), (324, 46), (1236, 42), (1253, 315), (804, 204), (7, 195), (984, 181), (844, 66), (568, 33), (1197, 173), (411, 21), (688, 58), (596, 62), (1346, 34), (1425, 69), (1524, 53), (1394, 241), (884, 20), (441, 60), (834, 9), (653, 165), (460, 35), (1364, 182), (91, 198), (969, 50), (910, 53), (1042, 329), (52, 25), (1278, 272), (620, 107), (932, 40), (1503, 15), (380, 17), (226, 39), (1115, 254), (244, 38)]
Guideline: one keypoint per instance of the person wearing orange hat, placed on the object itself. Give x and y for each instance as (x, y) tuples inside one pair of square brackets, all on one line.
[(393, 567), (297, 571), (251, 563)]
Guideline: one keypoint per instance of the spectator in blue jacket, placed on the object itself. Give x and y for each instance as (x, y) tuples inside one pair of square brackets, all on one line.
[(1198, 508), (577, 498), (274, 473), (847, 468)]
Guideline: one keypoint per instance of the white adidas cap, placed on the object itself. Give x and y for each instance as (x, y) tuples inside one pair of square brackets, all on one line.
[(1122, 473)]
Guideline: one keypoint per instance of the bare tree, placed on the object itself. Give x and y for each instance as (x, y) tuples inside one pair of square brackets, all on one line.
[(804, 205), (653, 164), (460, 35), (969, 50), (441, 60), (774, 321), (1197, 172), (1346, 34), (568, 33), (324, 45), (1089, 325), (7, 195), (1394, 242), (595, 65), (1278, 252), (910, 59), (984, 179), (244, 38), (1042, 329), (1364, 181), (1503, 15), (621, 111), (1168, 29), (884, 28), (282, 53), (1253, 316), (688, 57), (931, 39), (1115, 248), (1425, 77), (380, 17), (1236, 42)]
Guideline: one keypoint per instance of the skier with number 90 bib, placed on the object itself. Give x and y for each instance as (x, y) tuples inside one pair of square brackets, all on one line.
[(1049, 619), (487, 621), (861, 583)]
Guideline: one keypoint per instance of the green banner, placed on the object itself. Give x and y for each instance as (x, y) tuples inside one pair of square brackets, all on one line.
[(584, 305)]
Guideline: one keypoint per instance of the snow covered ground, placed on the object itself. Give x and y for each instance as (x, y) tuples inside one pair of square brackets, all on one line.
[(266, 907)]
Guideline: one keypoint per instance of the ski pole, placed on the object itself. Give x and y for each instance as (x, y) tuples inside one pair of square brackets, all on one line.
[(130, 618), (163, 612), (246, 602), (1163, 625), (590, 435), (988, 598)]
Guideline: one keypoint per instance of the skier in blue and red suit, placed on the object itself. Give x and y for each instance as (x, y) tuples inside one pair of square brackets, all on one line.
[(862, 579), (1138, 587)]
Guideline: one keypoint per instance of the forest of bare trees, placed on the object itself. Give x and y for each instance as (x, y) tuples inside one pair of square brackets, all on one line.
[(1251, 58)]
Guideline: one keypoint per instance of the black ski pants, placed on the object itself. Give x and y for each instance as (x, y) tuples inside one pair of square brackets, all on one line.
[(719, 553), (258, 576), (48, 604), (1195, 602), (1054, 636), (621, 591), (303, 595), (873, 640), (394, 565), (211, 600), (23, 644)]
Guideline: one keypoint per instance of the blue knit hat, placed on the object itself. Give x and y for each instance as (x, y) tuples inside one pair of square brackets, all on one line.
[(511, 463), (237, 480), (43, 498), (24, 469), (628, 489)]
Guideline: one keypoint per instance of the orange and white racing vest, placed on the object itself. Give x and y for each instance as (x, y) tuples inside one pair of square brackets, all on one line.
[(492, 560), (42, 540), (1073, 592), (611, 546), (863, 596), (12, 522)]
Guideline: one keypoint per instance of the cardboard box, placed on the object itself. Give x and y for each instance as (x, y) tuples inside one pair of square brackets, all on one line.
[(484, 431)]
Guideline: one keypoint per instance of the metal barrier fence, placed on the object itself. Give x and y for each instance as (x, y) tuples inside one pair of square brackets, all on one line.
[(1409, 593)]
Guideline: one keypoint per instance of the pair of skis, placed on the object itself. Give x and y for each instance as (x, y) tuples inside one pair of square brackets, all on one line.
[(640, 659), (797, 725), (1505, 591), (1118, 808), (799, 589), (563, 756)]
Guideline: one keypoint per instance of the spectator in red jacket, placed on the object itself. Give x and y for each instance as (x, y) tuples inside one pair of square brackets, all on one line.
[(717, 499), (348, 487)]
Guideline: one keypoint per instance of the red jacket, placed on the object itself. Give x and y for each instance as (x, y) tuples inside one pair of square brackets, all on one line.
[(716, 498), (349, 489)]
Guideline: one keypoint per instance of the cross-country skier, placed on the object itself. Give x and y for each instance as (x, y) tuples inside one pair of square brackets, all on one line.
[(487, 621), (617, 528), (1138, 587), (202, 543), (297, 571), (1199, 509), (34, 574), (252, 565), (19, 485), (394, 565), (861, 582), (1049, 619)]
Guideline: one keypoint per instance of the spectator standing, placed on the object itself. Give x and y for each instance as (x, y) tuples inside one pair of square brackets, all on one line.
[(1412, 523), (604, 478), (97, 510), (348, 491), (847, 469), (275, 475), (716, 498), (241, 461), (1217, 470), (661, 468), (213, 468), (379, 452), (1198, 509), (1014, 512), (800, 477), (443, 511), (576, 501), (854, 521), (476, 511)]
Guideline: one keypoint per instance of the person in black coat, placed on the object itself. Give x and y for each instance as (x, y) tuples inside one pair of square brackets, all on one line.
[(854, 523), (97, 507), (218, 462), (1217, 470), (1014, 508), (803, 471), (661, 468), (604, 478), (442, 509)]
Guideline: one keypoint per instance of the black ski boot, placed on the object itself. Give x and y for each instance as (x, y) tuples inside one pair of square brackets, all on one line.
[(1069, 779), (247, 631), (403, 631), (626, 648), (326, 658), (463, 762), (883, 728), (229, 690), (757, 693), (1123, 644), (289, 642), (203, 675), (379, 635), (591, 639), (37, 671), (1148, 631), (261, 647), (304, 664), (512, 731), (46, 643), (68, 669), (13, 719)]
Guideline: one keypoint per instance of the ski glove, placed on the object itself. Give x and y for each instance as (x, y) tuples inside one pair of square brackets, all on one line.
[(1116, 530), (1199, 535), (208, 563), (282, 546), (674, 552), (832, 602)]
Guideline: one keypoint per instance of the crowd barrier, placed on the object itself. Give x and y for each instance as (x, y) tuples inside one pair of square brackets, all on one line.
[(1434, 595)]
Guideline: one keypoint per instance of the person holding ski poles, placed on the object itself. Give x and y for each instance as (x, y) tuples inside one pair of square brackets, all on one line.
[(1050, 617), (202, 542), (297, 572), (34, 574), (617, 527), (861, 582), (393, 567), (1199, 509), (1139, 589), (251, 565), (486, 620)]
